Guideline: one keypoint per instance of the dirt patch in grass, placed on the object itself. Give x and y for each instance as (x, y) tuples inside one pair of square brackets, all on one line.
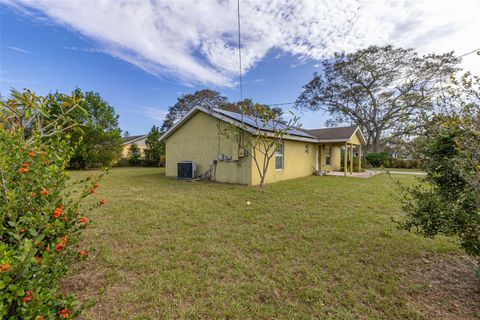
[(449, 287)]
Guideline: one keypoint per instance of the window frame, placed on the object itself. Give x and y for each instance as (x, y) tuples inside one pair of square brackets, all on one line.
[(282, 155), (328, 157)]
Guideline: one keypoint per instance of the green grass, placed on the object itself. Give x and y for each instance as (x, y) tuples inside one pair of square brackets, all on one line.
[(315, 247)]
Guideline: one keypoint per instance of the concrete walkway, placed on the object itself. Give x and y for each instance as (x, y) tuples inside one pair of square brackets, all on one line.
[(366, 174), (415, 173), (371, 173)]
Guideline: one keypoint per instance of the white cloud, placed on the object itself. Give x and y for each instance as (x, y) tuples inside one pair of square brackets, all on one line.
[(195, 41), (18, 49)]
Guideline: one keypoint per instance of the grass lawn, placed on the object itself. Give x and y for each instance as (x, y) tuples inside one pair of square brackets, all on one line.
[(316, 247)]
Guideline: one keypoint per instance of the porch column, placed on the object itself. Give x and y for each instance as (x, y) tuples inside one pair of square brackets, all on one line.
[(321, 157), (345, 160), (351, 158), (316, 158), (359, 158)]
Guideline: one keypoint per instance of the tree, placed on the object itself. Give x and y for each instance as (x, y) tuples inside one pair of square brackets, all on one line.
[(98, 136), (207, 99), (448, 200), (384, 90), (155, 149), (247, 106), (134, 155), (263, 142)]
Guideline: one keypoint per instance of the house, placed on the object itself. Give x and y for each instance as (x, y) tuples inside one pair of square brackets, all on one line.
[(140, 141), (198, 137)]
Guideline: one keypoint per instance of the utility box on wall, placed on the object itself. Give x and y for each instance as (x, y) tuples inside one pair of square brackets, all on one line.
[(186, 170)]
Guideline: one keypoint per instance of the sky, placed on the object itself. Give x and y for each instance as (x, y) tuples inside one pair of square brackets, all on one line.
[(142, 55)]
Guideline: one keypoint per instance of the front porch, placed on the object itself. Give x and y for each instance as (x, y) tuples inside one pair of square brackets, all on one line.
[(338, 158), (337, 145)]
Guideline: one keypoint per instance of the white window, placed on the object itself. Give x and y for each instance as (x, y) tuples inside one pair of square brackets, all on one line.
[(328, 156), (279, 157)]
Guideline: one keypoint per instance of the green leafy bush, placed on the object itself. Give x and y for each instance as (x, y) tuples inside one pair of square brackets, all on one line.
[(379, 159), (40, 207), (448, 200), (405, 163)]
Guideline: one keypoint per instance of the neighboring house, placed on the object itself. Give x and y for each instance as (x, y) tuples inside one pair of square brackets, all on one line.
[(197, 138), (140, 141)]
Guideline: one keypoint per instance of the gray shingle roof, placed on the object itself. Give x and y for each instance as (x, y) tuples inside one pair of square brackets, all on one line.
[(339, 133), (132, 138)]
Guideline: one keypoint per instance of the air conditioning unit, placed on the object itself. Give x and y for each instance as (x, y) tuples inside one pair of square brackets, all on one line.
[(186, 170)]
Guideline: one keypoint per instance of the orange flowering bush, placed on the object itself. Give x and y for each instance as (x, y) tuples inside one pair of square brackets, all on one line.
[(43, 211)]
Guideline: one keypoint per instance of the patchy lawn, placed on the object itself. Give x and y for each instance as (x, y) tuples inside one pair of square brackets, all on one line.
[(316, 247)]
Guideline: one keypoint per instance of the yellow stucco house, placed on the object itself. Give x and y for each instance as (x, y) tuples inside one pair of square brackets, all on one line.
[(197, 141), (140, 141)]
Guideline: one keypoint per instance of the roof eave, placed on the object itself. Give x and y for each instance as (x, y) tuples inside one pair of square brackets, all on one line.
[(139, 138)]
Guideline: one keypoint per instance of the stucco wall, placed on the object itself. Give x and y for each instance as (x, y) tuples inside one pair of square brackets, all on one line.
[(296, 163), (355, 139), (335, 157), (198, 140)]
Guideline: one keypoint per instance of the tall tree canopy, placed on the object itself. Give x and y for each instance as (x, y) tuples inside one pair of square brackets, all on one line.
[(208, 99), (97, 136), (384, 90), (203, 98)]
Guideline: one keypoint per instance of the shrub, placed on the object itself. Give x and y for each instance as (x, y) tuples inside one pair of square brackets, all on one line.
[(448, 200), (42, 215), (379, 159), (405, 163)]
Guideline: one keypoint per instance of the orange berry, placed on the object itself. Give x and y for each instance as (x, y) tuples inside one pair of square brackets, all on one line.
[(5, 267)]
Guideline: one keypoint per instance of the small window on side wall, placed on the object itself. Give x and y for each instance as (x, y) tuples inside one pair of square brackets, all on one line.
[(307, 149), (328, 156), (279, 156)]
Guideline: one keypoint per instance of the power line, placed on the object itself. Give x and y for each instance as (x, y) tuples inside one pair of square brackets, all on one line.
[(239, 51), (466, 54), (308, 100)]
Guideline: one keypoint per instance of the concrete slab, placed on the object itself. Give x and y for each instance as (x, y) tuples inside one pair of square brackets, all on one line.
[(366, 174)]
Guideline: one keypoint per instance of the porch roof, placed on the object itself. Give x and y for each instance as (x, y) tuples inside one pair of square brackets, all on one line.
[(338, 134)]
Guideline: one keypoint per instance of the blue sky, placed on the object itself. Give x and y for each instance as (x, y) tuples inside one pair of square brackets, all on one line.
[(57, 58), (141, 56)]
